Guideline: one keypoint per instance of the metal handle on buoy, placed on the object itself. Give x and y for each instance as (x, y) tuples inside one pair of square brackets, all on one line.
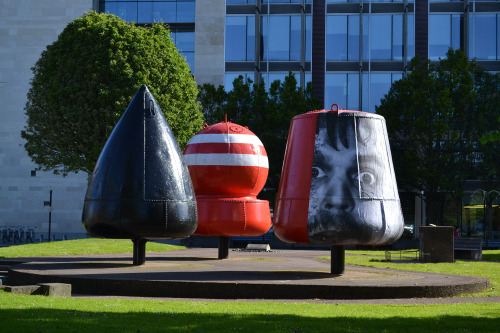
[(336, 106)]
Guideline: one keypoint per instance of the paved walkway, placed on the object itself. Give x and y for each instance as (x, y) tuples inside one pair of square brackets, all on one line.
[(276, 275)]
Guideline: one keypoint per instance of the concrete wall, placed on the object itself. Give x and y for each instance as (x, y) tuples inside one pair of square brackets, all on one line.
[(26, 28), (209, 41)]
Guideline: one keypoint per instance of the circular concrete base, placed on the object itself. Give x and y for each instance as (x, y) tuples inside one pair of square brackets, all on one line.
[(197, 273)]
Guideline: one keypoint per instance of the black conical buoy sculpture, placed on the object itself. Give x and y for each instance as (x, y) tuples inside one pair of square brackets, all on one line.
[(140, 188)]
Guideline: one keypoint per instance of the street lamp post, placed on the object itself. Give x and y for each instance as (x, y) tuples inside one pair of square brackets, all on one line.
[(49, 203), (422, 220)]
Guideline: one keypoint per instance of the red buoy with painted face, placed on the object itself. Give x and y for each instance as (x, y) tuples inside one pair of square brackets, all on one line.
[(228, 166), (338, 185)]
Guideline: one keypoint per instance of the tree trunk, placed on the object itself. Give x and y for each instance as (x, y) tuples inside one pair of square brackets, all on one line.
[(433, 205)]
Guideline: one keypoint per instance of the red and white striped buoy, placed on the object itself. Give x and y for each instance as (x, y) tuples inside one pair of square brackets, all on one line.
[(228, 166)]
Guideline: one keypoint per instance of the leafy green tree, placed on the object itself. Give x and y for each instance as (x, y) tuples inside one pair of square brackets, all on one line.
[(456, 74), (212, 100), (84, 81), (417, 113), (286, 100), (436, 116), (488, 164)]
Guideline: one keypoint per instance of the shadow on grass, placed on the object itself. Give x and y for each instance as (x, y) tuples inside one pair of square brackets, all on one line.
[(491, 256), (47, 320)]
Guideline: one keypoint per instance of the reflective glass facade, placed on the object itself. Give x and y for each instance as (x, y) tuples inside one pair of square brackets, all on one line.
[(367, 44), (363, 45), (240, 32), (148, 11), (445, 33), (484, 30)]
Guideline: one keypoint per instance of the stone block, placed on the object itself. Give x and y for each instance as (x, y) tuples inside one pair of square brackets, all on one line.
[(55, 289), (22, 290), (258, 247), (436, 244)]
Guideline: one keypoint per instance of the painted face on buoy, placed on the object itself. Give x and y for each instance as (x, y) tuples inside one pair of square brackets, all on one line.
[(351, 179)]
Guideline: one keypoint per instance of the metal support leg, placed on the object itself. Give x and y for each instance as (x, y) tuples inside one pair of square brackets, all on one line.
[(139, 251), (337, 259), (223, 247)]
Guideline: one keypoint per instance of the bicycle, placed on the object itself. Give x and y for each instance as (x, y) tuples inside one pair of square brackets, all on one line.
[(7, 234), (30, 234), (18, 234), (3, 230)]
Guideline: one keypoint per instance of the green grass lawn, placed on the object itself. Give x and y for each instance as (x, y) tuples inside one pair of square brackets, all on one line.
[(489, 267), (80, 247), (21, 313)]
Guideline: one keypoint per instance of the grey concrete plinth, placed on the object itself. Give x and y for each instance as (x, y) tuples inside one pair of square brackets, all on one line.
[(55, 289), (198, 273)]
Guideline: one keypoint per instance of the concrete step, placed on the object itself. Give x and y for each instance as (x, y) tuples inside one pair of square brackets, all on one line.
[(46, 289)]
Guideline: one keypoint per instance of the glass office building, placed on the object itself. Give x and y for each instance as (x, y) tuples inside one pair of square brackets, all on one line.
[(351, 50)]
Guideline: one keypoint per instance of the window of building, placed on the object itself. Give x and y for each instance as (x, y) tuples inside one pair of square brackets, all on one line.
[(282, 39), (342, 89), (444, 32), (240, 38), (308, 37), (342, 37), (337, 1), (383, 37), (375, 86), (156, 12), (169, 11), (184, 41), (185, 11), (262, 1), (279, 38), (295, 37), (484, 36), (283, 1), (379, 47), (123, 9), (410, 39), (397, 37), (237, 2)]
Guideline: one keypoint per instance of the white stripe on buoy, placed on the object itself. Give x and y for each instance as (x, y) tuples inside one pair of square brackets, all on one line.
[(225, 138), (227, 159)]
